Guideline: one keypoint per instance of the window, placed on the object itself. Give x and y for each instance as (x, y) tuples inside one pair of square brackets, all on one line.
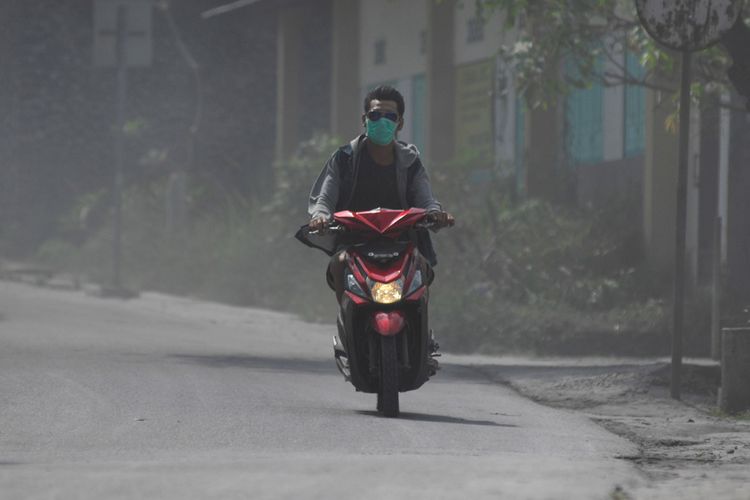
[(583, 116), (380, 52), (475, 30), (635, 108)]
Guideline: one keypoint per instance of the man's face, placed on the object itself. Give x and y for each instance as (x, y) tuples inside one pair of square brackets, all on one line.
[(385, 107)]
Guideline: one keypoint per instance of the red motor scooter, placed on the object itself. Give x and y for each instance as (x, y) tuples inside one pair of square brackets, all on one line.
[(384, 344)]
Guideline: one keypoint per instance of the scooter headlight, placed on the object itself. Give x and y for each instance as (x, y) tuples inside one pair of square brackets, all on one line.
[(387, 293)]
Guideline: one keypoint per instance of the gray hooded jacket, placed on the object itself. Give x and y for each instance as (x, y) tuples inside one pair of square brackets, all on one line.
[(334, 188)]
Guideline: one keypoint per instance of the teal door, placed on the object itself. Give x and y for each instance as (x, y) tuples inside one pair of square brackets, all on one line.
[(583, 119), (635, 108)]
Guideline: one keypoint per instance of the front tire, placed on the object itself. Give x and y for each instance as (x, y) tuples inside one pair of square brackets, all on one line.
[(388, 393)]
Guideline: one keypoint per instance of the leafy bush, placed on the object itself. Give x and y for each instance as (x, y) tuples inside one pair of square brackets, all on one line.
[(538, 276), (530, 276), (235, 249)]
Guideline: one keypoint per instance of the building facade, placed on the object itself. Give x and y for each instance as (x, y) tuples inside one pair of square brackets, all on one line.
[(463, 109)]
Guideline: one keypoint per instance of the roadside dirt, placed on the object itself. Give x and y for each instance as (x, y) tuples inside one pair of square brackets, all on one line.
[(687, 449)]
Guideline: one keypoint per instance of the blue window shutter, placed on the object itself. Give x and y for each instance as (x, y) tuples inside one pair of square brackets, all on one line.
[(584, 119), (635, 109)]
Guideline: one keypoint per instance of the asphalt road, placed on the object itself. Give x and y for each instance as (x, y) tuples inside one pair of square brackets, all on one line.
[(161, 397)]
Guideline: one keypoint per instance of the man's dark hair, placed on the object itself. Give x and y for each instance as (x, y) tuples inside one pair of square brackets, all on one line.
[(385, 93)]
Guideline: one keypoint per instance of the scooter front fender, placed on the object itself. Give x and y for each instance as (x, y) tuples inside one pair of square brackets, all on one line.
[(388, 323)]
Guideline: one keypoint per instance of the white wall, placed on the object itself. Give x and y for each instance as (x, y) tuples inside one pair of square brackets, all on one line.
[(466, 52), (495, 36), (400, 23)]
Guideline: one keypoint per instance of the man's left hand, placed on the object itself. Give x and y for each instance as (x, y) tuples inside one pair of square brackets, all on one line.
[(441, 219)]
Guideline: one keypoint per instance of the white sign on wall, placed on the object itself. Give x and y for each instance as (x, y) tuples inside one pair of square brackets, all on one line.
[(138, 50)]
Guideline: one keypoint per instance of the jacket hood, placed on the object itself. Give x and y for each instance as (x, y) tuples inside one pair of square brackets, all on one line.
[(406, 154)]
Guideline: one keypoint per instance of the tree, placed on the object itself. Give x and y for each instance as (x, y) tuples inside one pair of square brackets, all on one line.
[(737, 42), (581, 33)]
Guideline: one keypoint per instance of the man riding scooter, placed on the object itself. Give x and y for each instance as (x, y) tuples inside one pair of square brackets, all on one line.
[(376, 171), (378, 193)]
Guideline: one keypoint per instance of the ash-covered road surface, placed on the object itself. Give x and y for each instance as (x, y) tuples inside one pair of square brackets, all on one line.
[(162, 397)]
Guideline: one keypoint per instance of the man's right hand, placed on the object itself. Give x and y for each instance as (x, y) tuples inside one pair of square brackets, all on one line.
[(319, 223)]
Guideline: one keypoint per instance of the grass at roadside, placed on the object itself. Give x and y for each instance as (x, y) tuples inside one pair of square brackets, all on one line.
[(744, 416)]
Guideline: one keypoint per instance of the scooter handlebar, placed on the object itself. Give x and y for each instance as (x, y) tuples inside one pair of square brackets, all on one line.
[(337, 228), (340, 228), (426, 223)]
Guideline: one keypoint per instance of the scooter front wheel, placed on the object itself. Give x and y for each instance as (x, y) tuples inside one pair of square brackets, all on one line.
[(388, 393)]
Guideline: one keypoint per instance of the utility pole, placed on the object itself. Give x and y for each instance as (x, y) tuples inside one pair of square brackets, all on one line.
[(122, 92), (686, 26), (678, 309), (122, 38)]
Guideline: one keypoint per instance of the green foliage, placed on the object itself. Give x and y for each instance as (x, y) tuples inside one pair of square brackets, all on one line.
[(583, 31), (295, 176), (618, 493), (717, 412), (59, 144), (235, 249), (530, 276), (538, 276), (135, 127)]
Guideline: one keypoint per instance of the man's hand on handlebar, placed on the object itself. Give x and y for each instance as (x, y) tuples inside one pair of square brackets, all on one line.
[(440, 219), (319, 224)]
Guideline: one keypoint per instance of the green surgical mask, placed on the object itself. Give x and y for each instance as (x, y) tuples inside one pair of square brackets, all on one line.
[(382, 131)]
